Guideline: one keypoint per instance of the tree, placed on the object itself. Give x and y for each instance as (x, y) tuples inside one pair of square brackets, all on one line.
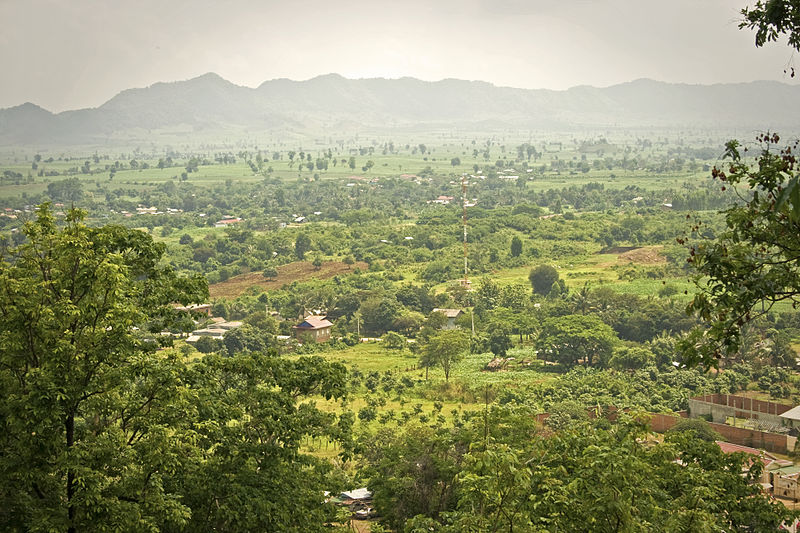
[(455, 161), (262, 322), (103, 432), (445, 348), (206, 344), (379, 314), (631, 358), (760, 249), (498, 473), (246, 338), (772, 19), (499, 341), (542, 279), (755, 262), (270, 273), (699, 428), (394, 341), (436, 320), (413, 473), (69, 190), (302, 245), (571, 339), (250, 413), (516, 247), (86, 416)]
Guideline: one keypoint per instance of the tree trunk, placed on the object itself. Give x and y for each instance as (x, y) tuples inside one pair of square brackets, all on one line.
[(70, 428)]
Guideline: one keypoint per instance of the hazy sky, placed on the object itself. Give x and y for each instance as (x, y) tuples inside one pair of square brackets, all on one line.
[(68, 54)]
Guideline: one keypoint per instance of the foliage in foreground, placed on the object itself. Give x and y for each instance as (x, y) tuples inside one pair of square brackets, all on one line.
[(499, 472), (756, 260), (101, 432)]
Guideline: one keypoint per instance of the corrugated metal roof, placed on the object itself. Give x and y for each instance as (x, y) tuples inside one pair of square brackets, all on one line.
[(449, 313), (791, 414), (314, 322)]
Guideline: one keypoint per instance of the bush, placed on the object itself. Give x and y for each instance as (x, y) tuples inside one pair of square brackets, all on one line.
[(701, 429), (368, 414), (394, 341), (208, 345), (351, 339)]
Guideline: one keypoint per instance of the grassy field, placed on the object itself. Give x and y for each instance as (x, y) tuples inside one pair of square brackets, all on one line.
[(601, 269), (470, 383), (438, 159)]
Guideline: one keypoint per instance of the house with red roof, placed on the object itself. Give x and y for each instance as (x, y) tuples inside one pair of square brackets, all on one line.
[(770, 462), (227, 222), (314, 327)]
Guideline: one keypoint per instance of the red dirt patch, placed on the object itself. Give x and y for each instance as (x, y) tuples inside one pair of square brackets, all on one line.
[(297, 271), (647, 255)]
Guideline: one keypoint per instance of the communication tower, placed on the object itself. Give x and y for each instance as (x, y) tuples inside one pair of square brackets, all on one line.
[(464, 282)]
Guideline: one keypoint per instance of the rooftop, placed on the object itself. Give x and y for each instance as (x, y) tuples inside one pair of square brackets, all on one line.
[(791, 414), (449, 313), (314, 322)]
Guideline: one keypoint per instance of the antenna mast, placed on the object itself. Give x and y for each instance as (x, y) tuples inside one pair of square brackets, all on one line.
[(465, 282)]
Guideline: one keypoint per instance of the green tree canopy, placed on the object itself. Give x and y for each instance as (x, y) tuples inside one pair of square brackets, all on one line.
[(755, 262), (542, 279), (445, 348), (516, 246), (498, 473), (631, 358), (699, 428), (772, 19), (79, 385), (302, 245), (101, 432), (572, 339)]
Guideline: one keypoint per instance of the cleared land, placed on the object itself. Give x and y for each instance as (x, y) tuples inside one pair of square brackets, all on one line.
[(647, 255), (297, 271)]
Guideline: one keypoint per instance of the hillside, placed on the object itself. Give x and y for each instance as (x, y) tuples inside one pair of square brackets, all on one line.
[(210, 106)]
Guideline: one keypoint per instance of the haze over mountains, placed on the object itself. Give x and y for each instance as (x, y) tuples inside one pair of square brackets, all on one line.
[(209, 106)]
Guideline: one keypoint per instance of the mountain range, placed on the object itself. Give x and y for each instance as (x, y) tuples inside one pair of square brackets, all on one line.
[(209, 106)]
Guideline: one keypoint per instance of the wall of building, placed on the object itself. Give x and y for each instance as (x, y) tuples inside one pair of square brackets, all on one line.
[(722, 406), (785, 487), (661, 423), (772, 442)]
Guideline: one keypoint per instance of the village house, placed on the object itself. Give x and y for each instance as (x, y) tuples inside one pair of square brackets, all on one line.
[(314, 327), (784, 482), (770, 462), (791, 418), (196, 308), (451, 314), (227, 222), (216, 330)]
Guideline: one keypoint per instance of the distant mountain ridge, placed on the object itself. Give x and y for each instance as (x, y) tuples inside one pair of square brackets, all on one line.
[(213, 106)]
